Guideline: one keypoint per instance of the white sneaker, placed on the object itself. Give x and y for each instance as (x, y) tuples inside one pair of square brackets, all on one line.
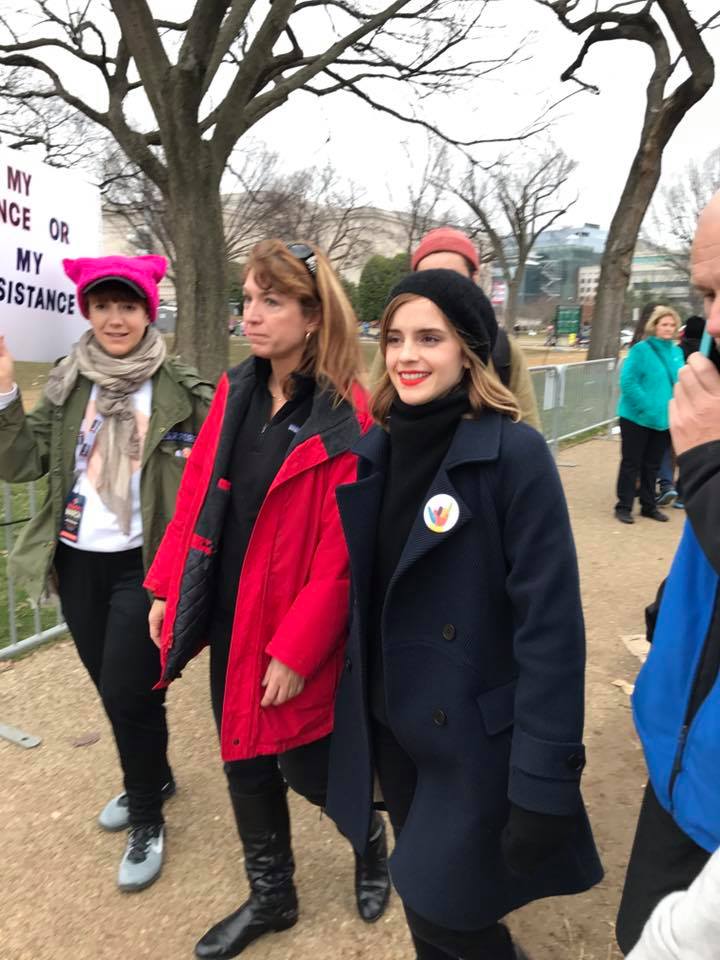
[(143, 858)]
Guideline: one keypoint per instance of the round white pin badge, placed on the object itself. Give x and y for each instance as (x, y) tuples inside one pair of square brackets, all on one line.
[(441, 513)]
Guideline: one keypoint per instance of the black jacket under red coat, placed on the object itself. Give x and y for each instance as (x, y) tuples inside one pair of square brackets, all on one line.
[(292, 598), (484, 660)]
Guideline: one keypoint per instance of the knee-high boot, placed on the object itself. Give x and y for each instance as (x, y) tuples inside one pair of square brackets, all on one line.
[(264, 826), (372, 881)]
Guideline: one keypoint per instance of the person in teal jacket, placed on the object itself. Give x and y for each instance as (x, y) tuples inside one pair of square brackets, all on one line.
[(646, 385)]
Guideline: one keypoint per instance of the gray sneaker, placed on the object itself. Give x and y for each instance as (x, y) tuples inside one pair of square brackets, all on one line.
[(143, 858), (114, 816)]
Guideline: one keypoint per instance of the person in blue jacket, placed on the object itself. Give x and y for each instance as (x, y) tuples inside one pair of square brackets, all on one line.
[(647, 379), (463, 686), (676, 703)]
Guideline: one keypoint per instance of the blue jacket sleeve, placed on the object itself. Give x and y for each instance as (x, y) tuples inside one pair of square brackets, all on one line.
[(547, 755)]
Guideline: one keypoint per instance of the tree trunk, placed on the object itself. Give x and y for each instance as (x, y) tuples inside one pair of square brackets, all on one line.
[(620, 249), (511, 302), (201, 334)]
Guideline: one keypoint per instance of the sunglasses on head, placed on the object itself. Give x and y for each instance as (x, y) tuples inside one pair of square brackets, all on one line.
[(305, 253)]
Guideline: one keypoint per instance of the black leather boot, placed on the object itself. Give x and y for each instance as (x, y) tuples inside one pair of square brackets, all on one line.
[(264, 827), (372, 882)]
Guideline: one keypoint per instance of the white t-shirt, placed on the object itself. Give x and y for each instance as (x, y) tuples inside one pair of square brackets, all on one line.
[(99, 531)]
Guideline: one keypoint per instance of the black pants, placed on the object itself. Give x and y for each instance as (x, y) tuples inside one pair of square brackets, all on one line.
[(398, 777), (305, 768), (106, 609), (642, 453), (663, 860)]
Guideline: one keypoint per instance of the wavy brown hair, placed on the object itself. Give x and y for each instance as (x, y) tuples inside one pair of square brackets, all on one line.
[(332, 352), (485, 391)]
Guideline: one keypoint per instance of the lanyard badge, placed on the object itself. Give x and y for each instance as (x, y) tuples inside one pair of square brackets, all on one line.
[(74, 506), (85, 444), (75, 503)]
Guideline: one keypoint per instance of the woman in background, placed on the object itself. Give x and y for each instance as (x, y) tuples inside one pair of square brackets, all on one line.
[(647, 378)]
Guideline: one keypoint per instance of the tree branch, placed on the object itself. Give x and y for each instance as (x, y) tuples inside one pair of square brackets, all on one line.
[(233, 24), (141, 36)]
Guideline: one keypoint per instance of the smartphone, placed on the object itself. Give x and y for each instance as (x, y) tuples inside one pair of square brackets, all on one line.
[(708, 348)]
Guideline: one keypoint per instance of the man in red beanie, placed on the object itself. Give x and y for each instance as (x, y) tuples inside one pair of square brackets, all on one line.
[(448, 249)]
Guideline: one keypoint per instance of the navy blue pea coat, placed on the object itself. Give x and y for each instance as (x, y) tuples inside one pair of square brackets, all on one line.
[(484, 660)]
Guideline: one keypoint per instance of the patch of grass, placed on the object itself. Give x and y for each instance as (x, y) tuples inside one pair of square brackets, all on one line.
[(584, 437), (25, 617), (31, 377)]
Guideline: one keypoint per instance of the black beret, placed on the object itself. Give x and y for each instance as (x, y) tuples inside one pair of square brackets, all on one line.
[(462, 301)]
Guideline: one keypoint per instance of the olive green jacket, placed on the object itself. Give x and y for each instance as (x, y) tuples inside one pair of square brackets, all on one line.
[(43, 442)]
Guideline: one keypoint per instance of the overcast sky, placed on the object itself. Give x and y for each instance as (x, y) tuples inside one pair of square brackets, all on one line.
[(382, 155), (600, 132)]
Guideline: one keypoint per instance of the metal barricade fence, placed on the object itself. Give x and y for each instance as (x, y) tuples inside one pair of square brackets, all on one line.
[(12, 520), (572, 398), (575, 398)]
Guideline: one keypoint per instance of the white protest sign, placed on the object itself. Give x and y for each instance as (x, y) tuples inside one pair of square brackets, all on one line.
[(45, 215)]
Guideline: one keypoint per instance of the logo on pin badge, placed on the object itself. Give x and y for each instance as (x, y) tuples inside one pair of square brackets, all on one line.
[(441, 513)]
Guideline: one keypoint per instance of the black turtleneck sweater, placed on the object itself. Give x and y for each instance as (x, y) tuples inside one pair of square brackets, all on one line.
[(259, 451), (420, 436)]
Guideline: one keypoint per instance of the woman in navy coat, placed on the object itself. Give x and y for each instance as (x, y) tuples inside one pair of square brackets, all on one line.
[(462, 693)]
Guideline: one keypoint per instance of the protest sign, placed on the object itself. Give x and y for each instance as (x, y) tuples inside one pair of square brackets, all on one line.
[(46, 215)]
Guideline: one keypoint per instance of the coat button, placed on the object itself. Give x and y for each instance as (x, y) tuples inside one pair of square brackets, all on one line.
[(236, 742), (439, 718), (348, 664), (449, 632), (576, 761)]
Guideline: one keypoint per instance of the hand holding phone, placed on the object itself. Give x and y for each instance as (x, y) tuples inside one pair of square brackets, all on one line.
[(695, 406)]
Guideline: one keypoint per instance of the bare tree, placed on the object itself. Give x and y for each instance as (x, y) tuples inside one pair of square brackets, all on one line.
[(208, 79), (664, 110), (314, 204), (675, 213), (427, 193), (511, 205), (258, 201), (60, 135)]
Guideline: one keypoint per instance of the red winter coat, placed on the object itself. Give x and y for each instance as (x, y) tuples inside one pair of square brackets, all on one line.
[(293, 590)]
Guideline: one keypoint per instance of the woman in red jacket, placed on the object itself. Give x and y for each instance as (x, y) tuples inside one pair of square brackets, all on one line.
[(254, 563)]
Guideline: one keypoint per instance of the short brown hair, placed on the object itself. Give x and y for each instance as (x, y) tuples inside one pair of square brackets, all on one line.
[(117, 291), (332, 356), (485, 391)]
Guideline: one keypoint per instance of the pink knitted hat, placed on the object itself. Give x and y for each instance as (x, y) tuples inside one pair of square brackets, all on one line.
[(446, 240), (141, 274)]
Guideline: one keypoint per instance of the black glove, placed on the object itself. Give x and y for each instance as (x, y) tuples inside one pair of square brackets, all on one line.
[(529, 838)]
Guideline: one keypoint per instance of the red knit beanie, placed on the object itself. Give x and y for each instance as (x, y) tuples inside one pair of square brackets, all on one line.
[(446, 240)]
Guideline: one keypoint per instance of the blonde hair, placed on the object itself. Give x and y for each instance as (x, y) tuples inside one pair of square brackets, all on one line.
[(657, 315), (485, 391), (332, 352)]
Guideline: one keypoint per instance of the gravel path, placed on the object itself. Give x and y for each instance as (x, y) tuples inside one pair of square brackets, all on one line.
[(57, 869)]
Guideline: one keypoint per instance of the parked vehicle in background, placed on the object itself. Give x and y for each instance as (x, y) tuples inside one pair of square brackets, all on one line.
[(166, 318)]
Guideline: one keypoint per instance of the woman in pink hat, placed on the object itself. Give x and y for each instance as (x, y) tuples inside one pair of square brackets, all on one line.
[(112, 433)]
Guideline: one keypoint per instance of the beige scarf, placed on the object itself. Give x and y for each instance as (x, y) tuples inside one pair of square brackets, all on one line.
[(117, 379)]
